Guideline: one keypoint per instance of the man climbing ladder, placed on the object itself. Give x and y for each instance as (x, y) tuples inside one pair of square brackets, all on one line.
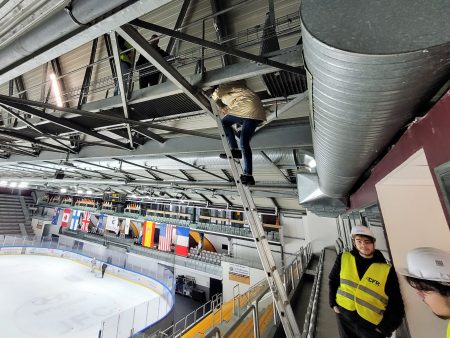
[(273, 276)]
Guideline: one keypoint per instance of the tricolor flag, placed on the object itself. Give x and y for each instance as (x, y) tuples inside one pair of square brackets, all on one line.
[(76, 214), (85, 221), (165, 237), (148, 233), (65, 218), (55, 216), (112, 223), (127, 225), (101, 220), (182, 247)]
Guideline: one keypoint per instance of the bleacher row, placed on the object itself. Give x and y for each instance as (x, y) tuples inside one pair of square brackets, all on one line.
[(233, 230), (205, 256)]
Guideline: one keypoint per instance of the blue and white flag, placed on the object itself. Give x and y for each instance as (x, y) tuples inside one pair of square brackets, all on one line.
[(101, 220), (76, 214), (55, 216)]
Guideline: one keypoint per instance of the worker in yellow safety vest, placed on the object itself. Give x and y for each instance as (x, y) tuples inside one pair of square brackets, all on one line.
[(126, 56), (364, 290), (428, 271)]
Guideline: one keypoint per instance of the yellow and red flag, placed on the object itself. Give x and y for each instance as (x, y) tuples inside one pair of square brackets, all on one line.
[(148, 233)]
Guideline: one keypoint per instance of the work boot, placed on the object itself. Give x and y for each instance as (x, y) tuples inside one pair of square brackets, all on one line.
[(247, 180), (235, 153)]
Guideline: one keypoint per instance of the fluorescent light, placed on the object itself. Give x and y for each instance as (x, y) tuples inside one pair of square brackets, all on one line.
[(23, 184), (56, 90), (13, 184), (312, 164), (63, 190), (79, 191), (88, 192), (3, 183), (133, 196)]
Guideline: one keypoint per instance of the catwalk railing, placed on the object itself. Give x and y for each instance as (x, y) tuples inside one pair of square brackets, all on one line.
[(251, 314), (309, 325), (137, 321)]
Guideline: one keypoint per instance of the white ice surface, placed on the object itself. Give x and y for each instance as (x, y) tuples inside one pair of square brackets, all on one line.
[(43, 297)]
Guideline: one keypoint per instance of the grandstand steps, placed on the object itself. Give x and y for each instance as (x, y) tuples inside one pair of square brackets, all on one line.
[(12, 214)]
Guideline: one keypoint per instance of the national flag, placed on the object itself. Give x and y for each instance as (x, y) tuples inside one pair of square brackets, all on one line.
[(76, 215), (112, 223), (182, 247), (165, 237), (101, 220), (65, 218), (55, 216), (85, 221), (148, 233), (127, 225)]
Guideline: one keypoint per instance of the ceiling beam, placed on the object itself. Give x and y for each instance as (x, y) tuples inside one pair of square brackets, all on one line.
[(123, 94), (150, 169), (273, 165), (64, 123), (19, 136), (127, 174), (36, 128), (218, 47), (196, 167), (149, 134), (221, 28), (135, 39), (103, 116), (82, 99)]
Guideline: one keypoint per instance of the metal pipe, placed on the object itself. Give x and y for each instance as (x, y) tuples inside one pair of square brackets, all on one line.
[(54, 28)]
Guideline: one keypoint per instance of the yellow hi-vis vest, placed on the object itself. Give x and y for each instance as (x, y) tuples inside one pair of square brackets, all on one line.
[(367, 295), (124, 57), (448, 330)]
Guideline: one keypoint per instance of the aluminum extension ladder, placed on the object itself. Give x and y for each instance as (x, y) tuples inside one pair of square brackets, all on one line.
[(280, 298)]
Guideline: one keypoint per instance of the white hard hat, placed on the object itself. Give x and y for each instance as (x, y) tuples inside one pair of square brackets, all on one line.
[(428, 263), (363, 231)]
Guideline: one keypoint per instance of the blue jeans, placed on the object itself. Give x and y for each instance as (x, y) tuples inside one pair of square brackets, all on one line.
[(247, 131)]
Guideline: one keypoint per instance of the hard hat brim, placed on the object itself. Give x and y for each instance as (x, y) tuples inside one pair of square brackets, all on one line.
[(406, 273)]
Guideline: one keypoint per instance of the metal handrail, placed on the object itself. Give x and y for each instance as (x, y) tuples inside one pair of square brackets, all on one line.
[(311, 312), (173, 330)]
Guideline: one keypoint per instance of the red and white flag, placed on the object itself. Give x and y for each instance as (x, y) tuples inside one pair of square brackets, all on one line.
[(165, 237), (65, 218), (85, 221), (182, 247)]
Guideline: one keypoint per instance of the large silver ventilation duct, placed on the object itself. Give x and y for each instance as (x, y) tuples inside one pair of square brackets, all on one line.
[(60, 25), (372, 65)]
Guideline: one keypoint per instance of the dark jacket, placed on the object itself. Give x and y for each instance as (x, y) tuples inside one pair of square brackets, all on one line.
[(395, 310)]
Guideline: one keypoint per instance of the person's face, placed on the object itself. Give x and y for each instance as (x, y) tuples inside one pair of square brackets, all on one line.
[(439, 304), (365, 246)]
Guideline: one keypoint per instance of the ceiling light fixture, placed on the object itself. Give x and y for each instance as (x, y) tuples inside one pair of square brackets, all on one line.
[(79, 191), (3, 183), (23, 184), (63, 190), (56, 90), (13, 184)]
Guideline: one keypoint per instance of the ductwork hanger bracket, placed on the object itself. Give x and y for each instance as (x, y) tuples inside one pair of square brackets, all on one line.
[(68, 9)]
